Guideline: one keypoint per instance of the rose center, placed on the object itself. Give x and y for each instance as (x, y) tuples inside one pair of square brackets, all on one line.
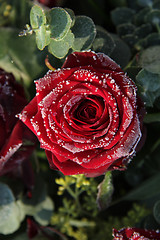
[(88, 112)]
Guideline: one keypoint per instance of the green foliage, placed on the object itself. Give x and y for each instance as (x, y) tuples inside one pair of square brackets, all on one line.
[(149, 84), (103, 41), (150, 59), (60, 30), (135, 24), (60, 23), (10, 213), (84, 31)]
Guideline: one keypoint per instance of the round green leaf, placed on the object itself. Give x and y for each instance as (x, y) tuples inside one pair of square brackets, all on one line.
[(153, 17), (149, 86), (42, 37), (125, 28), (37, 17), (122, 15), (150, 59), (9, 218), (143, 31), (84, 31), (156, 211), (72, 15), (60, 23), (10, 215), (153, 39), (140, 16), (103, 42), (60, 48)]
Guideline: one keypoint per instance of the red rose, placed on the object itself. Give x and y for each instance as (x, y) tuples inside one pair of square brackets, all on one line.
[(85, 115), (135, 234), (12, 131)]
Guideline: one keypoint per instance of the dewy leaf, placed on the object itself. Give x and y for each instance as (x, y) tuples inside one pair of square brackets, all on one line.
[(72, 15), (42, 37), (60, 23), (149, 86), (10, 217), (84, 31), (103, 42), (105, 191), (150, 59), (60, 48), (37, 17), (156, 211)]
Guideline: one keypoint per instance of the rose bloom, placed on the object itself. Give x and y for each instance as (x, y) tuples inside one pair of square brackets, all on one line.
[(135, 234), (86, 115), (14, 133)]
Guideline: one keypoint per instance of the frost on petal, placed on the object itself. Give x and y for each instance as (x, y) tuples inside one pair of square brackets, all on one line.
[(99, 60), (12, 145)]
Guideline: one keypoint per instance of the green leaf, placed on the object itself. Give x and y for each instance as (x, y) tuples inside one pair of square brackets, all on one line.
[(148, 189), (149, 86), (143, 31), (60, 23), (105, 191), (122, 15), (125, 28), (20, 56), (72, 15), (42, 37), (153, 39), (152, 117), (121, 53), (84, 31), (60, 48), (140, 16), (150, 59), (37, 17), (156, 211), (130, 39), (153, 17), (44, 215), (103, 42), (10, 215), (145, 3)]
